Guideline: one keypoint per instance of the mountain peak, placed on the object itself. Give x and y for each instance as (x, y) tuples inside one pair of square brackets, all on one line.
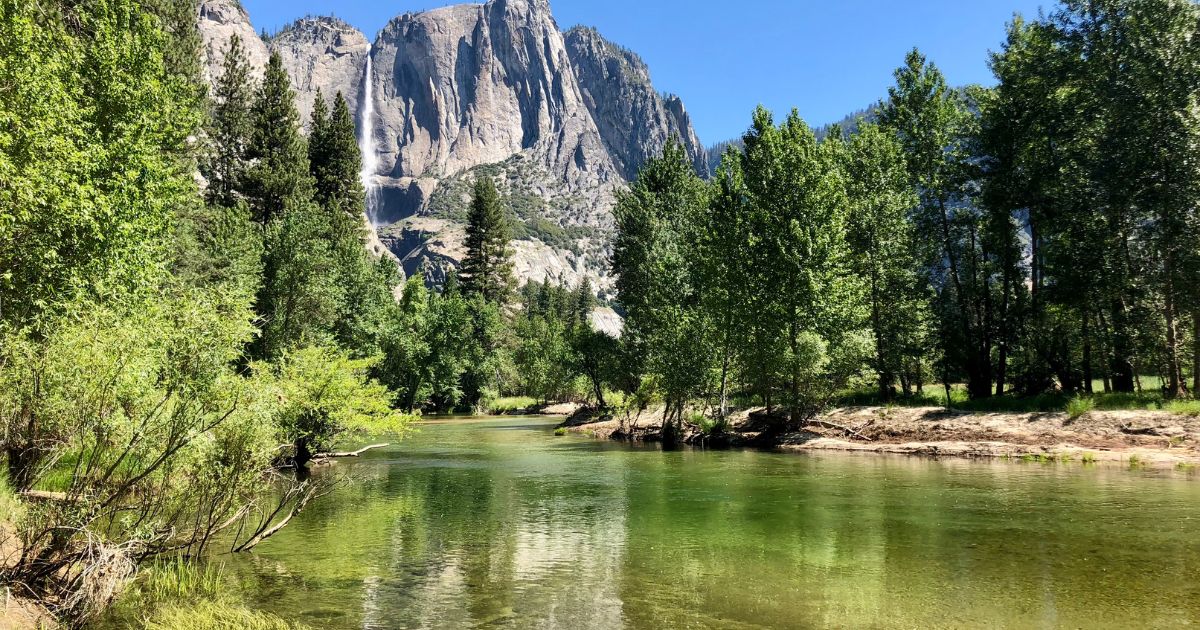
[(559, 121)]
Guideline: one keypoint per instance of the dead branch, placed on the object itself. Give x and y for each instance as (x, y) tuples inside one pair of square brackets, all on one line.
[(349, 453)]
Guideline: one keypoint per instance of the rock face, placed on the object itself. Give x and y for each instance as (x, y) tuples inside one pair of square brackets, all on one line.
[(219, 20), (634, 120), (322, 53), (560, 122), (469, 85)]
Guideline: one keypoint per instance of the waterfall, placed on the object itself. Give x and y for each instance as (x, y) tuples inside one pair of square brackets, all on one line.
[(366, 142)]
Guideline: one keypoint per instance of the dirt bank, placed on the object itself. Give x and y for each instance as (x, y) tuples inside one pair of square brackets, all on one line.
[(1142, 438)]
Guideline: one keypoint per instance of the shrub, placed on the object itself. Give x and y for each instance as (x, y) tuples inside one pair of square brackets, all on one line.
[(1079, 406), (560, 431)]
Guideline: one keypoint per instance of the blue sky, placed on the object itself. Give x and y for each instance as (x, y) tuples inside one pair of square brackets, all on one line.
[(825, 58)]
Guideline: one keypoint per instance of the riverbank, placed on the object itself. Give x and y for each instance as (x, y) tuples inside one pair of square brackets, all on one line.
[(1140, 438)]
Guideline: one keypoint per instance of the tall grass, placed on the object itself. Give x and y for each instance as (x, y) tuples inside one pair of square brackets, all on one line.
[(934, 396), (176, 578), (1078, 406), (1184, 407), (209, 615), (510, 404), (11, 508), (177, 594)]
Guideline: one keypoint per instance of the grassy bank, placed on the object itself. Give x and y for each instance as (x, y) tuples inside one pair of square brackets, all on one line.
[(176, 594)]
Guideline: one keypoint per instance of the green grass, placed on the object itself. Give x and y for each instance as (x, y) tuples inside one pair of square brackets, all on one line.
[(511, 403), (176, 578), (214, 615), (1186, 467), (1088, 458), (11, 508), (560, 431), (176, 594), (934, 396), (1189, 408)]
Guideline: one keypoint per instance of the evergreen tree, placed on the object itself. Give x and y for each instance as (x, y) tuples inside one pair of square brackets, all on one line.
[(230, 125), (279, 175), (336, 159), (486, 269)]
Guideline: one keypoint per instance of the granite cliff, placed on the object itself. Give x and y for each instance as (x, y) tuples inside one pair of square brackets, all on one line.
[(559, 121)]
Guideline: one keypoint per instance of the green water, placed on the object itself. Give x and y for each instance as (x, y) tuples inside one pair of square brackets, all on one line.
[(496, 523)]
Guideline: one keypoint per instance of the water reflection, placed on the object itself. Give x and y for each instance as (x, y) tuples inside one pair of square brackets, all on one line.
[(499, 524)]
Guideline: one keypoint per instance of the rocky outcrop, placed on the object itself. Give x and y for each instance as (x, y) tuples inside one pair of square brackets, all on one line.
[(218, 21), (322, 53), (634, 120)]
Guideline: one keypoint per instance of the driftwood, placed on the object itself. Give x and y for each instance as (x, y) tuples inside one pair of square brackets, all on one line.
[(349, 453), (837, 427), (46, 495), (265, 530)]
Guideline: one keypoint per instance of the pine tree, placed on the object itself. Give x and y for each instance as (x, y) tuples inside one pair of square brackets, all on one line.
[(230, 125), (318, 130), (486, 269), (336, 160), (585, 302), (280, 175)]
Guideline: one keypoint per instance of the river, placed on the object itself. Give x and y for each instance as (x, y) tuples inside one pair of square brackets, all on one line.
[(497, 523)]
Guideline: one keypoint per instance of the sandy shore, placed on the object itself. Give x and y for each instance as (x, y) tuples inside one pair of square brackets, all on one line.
[(1139, 438)]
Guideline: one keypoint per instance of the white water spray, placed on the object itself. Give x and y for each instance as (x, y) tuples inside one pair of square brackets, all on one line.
[(366, 143)]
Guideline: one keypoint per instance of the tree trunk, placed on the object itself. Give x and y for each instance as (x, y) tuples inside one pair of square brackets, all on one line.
[(1121, 369), (1174, 385), (723, 410), (303, 454), (1087, 353), (881, 367), (1196, 352)]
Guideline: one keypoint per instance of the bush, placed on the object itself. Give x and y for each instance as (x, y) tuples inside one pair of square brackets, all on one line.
[(1079, 406), (560, 431)]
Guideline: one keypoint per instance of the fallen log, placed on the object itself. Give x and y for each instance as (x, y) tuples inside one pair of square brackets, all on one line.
[(349, 453), (45, 495)]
